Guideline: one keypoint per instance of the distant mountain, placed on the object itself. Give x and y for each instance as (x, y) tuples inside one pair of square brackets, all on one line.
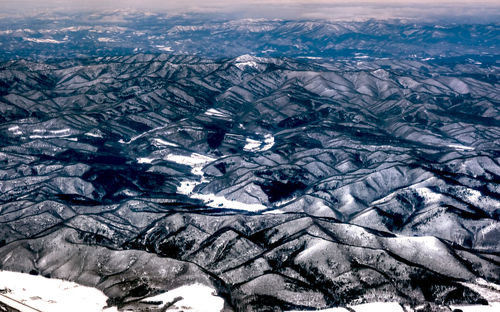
[(284, 183), (125, 33)]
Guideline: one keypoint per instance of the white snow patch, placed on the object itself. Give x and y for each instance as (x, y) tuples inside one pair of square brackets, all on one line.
[(276, 211), (37, 40), (247, 61), (492, 307), (368, 307), (284, 202), (15, 130), (163, 142), (45, 294), (50, 134), (253, 145), (93, 134), (216, 201), (195, 298), (312, 57), (326, 310), (196, 161), (378, 307), (461, 147), (246, 58), (216, 113), (242, 65), (187, 187), (145, 160), (348, 199), (268, 142), (431, 243), (474, 196), (105, 39), (129, 192), (164, 48), (59, 131)]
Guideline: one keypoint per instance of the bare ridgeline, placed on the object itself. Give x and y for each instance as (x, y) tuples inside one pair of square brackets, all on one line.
[(293, 180)]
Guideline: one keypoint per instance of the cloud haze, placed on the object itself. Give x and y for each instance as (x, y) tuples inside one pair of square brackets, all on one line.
[(327, 9)]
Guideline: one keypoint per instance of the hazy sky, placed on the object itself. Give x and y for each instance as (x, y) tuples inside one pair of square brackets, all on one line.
[(222, 4), (330, 9)]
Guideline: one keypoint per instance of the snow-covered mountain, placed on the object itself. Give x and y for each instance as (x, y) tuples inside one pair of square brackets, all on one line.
[(215, 36), (260, 165), (281, 183)]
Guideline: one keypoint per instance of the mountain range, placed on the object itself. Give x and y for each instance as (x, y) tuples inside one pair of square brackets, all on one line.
[(351, 168)]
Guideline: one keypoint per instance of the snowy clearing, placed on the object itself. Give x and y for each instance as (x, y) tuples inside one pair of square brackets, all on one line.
[(194, 298), (32, 293), (215, 201), (197, 162), (259, 146)]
